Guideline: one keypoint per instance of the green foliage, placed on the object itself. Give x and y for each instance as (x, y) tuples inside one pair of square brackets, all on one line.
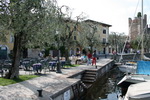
[(90, 34), (146, 41), (66, 29), (135, 44), (3, 20), (46, 52), (32, 21), (4, 82), (139, 14), (117, 40), (2, 37), (62, 50)]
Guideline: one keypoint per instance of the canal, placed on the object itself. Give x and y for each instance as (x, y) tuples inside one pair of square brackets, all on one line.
[(106, 87)]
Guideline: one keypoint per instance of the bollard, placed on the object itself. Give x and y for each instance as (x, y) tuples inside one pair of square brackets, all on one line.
[(96, 67), (40, 92)]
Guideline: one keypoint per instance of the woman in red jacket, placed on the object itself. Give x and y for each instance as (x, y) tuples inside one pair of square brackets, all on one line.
[(94, 58)]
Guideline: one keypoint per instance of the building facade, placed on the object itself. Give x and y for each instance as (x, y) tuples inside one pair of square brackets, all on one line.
[(103, 33), (6, 47)]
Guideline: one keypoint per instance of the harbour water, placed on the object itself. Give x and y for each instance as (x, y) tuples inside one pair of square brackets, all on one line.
[(106, 87)]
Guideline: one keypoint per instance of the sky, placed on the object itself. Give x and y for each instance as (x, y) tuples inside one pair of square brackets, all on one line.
[(112, 12)]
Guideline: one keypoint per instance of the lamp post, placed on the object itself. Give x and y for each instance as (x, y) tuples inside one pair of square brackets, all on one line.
[(92, 46), (58, 55), (105, 49)]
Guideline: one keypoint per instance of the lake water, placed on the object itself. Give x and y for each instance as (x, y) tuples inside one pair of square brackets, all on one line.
[(106, 87)]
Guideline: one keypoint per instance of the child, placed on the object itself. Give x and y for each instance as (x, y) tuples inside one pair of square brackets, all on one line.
[(94, 58)]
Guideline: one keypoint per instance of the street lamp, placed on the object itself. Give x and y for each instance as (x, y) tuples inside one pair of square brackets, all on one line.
[(58, 55), (105, 49), (92, 46)]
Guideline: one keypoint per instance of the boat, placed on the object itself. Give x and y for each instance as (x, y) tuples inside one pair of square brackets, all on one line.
[(142, 75), (131, 66), (140, 93), (128, 67)]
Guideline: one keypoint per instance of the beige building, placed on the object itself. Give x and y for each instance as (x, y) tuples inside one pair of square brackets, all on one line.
[(6, 47), (102, 31), (103, 34)]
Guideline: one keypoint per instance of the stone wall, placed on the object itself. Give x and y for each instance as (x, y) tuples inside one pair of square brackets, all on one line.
[(131, 57)]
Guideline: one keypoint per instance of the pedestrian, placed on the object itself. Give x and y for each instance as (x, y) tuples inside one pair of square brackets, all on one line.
[(78, 54), (40, 55), (89, 57), (94, 58), (114, 54)]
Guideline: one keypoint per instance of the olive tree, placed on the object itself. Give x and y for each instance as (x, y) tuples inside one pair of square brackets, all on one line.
[(147, 42), (89, 36), (117, 41), (136, 43), (25, 19), (67, 27)]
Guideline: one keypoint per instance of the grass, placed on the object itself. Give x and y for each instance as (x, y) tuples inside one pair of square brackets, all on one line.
[(4, 82), (69, 66)]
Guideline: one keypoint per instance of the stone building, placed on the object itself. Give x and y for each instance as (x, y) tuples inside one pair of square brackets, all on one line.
[(103, 32), (135, 27)]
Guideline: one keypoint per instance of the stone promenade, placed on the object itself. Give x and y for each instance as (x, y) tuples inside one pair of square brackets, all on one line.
[(51, 83)]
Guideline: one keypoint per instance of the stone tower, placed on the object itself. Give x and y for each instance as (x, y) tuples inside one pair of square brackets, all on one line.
[(135, 27)]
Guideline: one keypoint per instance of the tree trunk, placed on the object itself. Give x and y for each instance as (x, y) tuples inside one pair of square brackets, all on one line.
[(91, 47), (14, 71), (66, 54)]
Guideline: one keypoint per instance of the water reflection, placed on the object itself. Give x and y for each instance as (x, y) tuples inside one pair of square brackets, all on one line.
[(106, 87)]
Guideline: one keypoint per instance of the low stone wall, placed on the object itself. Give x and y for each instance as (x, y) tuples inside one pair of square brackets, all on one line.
[(68, 93), (130, 57), (65, 94), (104, 69)]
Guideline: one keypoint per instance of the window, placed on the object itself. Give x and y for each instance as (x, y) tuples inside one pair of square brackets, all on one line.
[(104, 40), (104, 31)]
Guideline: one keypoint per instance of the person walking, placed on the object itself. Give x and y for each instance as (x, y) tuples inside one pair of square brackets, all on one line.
[(89, 57), (94, 58)]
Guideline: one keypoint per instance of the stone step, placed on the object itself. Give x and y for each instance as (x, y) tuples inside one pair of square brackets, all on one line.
[(89, 75), (93, 73), (88, 81), (88, 78), (92, 70)]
